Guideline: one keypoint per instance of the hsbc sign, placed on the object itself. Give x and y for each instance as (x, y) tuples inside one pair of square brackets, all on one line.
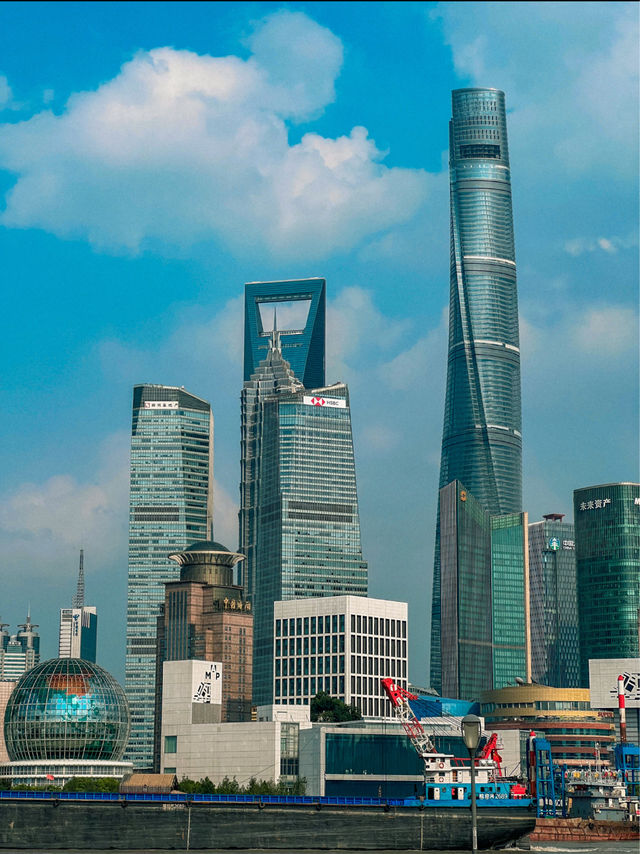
[(335, 402)]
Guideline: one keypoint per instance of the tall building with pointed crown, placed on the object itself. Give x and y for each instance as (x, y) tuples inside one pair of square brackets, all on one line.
[(482, 440), (19, 652), (299, 521), (78, 624)]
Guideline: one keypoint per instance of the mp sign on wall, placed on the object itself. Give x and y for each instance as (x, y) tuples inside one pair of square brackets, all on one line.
[(207, 682), (329, 402), (603, 682)]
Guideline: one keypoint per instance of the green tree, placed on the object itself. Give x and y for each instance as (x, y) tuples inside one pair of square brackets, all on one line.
[(326, 708), (91, 784)]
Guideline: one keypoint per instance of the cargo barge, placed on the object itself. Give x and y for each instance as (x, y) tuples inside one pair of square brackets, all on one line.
[(62, 820)]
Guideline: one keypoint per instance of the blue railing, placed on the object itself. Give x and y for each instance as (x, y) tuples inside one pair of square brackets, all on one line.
[(300, 800)]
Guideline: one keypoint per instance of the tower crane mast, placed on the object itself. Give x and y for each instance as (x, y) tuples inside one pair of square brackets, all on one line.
[(399, 698)]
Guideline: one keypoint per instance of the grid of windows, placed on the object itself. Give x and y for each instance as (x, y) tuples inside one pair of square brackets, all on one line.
[(509, 570), (170, 508), (555, 654), (482, 441), (607, 525), (346, 654), (308, 538)]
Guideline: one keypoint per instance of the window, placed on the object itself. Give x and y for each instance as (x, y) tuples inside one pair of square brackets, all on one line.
[(171, 744)]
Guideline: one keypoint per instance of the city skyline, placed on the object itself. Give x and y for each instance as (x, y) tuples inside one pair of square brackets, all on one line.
[(126, 277)]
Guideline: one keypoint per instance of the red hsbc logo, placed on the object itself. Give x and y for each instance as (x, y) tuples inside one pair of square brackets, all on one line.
[(335, 402)]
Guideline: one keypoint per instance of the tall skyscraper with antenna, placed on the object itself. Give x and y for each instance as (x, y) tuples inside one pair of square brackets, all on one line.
[(482, 440), (78, 624), (299, 520)]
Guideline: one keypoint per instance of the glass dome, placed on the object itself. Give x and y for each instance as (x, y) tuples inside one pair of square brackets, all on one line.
[(66, 708)]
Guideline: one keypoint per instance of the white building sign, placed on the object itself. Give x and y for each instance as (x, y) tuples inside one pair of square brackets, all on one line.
[(161, 404), (335, 402), (603, 682), (207, 682), (598, 504)]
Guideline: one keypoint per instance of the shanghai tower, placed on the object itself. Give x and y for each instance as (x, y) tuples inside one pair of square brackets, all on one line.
[(481, 440)]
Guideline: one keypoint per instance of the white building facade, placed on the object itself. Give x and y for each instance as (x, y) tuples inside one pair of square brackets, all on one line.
[(343, 645), (196, 745)]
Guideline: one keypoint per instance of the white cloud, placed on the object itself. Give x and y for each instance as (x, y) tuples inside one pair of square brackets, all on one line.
[(42, 521), (6, 94), (179, 148), (570, 71), (577, 246), (602, 332)]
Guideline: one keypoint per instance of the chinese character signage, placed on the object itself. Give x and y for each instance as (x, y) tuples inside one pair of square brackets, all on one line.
[(161, 404), (598, 504)]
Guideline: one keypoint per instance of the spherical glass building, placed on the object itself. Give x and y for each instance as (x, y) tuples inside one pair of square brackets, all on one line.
[(67, 717)]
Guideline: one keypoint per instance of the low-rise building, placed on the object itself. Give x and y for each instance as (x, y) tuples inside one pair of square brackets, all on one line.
[(343, 645), (197, 744), (579, 735)]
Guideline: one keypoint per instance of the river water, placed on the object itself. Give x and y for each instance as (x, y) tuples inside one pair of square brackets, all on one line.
[(542, 847)]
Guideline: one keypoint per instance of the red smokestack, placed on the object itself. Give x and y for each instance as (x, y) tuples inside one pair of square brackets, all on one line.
[(621, 708)]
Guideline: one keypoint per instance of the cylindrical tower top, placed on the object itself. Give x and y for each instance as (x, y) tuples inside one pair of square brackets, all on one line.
[(479, 128), (208, 562)]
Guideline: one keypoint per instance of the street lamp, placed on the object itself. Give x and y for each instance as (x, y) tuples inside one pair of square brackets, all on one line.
[(471, 727)]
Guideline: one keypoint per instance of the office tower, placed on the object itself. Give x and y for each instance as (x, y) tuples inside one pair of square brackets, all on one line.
[(484, 563), (555, 653), (300, 526), (481, 440), (273, 376), (510, 630), (343, 645), (465, 555), (19, 652), (300, 308), (78, 624), (170, 508), (607, 525), (204, 616)]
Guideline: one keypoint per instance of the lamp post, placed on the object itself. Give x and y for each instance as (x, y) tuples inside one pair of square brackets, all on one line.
[(471, 729)]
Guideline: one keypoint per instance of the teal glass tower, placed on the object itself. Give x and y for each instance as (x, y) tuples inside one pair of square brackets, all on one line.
[(485, 595), (303, 526), (607, 523), (170, 508), (482, 440)]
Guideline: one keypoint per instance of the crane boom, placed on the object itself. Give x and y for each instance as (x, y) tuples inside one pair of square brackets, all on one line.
[(399, 698)]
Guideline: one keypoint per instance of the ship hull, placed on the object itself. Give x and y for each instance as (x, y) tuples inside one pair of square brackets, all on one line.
[(57, 825), (583, 830)]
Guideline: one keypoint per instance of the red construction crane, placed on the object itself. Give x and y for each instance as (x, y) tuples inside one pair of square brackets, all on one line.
[(400, 701)]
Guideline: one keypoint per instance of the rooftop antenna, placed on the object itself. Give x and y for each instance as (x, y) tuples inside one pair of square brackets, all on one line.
[(275, 335), (78, 599)]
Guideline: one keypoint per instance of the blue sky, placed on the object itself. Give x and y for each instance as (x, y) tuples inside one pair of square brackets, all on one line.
[(155, 156)]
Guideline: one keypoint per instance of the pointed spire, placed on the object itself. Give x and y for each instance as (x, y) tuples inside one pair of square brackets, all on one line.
[(78, 599)]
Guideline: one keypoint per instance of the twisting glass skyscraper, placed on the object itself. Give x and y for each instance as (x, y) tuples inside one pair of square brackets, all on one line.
[(481, 442), (170, 508)]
